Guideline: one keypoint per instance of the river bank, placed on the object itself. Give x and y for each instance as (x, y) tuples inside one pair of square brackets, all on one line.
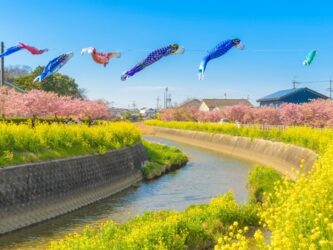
[(282, 157), (206, 175)]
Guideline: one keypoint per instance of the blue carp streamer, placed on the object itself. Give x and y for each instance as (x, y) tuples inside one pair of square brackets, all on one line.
[(11, 50), (218, 51), (152, 58), (21, 46), (54, 65)]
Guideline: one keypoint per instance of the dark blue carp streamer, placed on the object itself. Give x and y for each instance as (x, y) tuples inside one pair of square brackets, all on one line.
[(152, 58), (218, 51), (54, 65)]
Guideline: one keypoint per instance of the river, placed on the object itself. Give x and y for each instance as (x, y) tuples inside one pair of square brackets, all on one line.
[(206, 175)]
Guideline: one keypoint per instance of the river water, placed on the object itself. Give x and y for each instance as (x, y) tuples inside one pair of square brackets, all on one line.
[(206, 175)]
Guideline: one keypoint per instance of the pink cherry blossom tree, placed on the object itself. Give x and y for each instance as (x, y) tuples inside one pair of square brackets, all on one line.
[(37, 103), (317, 113)]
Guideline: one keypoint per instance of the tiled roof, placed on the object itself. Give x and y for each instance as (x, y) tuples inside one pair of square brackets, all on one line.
[(276, 96), (221, 103), (194, 103)]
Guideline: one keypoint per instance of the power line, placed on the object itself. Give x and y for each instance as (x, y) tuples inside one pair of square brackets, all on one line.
[(329, 89), (125, 50), (312, 81)]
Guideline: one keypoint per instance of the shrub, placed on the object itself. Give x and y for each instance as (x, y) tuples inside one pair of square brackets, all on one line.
[(262, 180), (161, 159), (194, 228)]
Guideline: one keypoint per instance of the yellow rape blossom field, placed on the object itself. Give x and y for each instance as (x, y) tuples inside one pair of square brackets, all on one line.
[(294, 214), (20, 143), (194, 228), (298, 214)]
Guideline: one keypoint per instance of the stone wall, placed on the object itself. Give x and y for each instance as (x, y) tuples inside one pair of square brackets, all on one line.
[(283, 157), (31, 193)]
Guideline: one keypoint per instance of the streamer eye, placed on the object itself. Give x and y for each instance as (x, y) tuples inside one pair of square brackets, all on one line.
[(174, 47), (236, 41)]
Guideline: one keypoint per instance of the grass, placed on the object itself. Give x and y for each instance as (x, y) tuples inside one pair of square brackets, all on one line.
[(162, 159), (261, 181)]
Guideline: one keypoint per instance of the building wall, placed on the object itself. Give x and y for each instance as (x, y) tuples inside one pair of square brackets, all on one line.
[(31, 193), (301, 97), (203, 107), (270, 103)]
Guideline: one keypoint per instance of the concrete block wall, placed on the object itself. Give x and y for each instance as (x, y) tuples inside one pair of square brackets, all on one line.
[(31, 193), (281, 156)]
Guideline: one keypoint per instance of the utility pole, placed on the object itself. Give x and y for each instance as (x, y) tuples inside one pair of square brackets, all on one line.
[(294, 84), (310, 82), (133, 105), (157, 103), (169, 101), (330, 88), (166, 98), (2, 65)]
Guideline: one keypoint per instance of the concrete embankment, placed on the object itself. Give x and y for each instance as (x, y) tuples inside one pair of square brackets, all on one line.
[(31, 193), (283, 157)]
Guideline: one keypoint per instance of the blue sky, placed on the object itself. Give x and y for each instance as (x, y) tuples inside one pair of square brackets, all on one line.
[(277, 36)]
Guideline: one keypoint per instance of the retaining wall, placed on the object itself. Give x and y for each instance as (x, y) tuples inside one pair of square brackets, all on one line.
[(31, 193), (283, 157)]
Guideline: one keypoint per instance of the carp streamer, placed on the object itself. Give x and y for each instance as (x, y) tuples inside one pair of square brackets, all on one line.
[(309, 58), (153, 57), (20, 46), (100, 57), (218, 51), (54, 65)]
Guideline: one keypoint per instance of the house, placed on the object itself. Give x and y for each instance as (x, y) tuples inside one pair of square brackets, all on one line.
[(119, 112), (219, 104), (295, 95), (148, 112), (192, 103)]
